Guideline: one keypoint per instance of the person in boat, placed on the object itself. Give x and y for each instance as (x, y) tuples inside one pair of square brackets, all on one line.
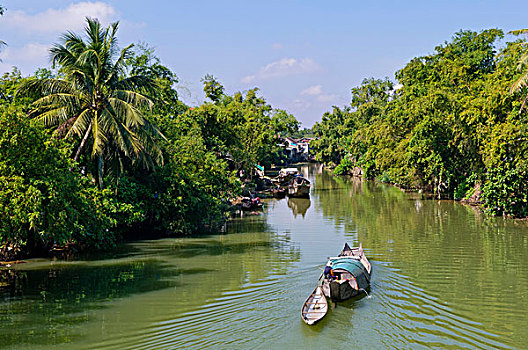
[(329, 273)]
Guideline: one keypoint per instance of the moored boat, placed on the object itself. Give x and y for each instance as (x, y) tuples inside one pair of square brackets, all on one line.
[(278, 192), (315, 307), (284, 176), (299, 187), (284, 172)]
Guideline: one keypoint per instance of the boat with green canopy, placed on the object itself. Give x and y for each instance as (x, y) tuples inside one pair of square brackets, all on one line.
[(344, 277)]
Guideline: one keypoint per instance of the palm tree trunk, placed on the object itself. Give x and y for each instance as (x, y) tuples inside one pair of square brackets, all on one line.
[(81, 146)]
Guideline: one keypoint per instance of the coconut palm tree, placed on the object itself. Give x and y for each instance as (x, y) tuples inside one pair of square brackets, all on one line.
[(95, 103), (1, 13), (522, 81)]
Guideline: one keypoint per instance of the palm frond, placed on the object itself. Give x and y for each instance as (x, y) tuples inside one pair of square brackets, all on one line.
[(119, 68), (134, 98), (121, 134), (53, 116), (126, 112), (137, 82), (44, 87), (99, 137), (81, 124), (519, 83), (518, 32), (65, 99)]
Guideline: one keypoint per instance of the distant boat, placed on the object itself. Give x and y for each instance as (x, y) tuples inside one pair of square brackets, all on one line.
[(285, 175), (346, 275), (288, 172), (299, 187), (278, 192), (315, 307)]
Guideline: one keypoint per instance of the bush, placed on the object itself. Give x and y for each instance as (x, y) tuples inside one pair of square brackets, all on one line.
[(505, 191), (466, 188), (42, 202), (344, 167)]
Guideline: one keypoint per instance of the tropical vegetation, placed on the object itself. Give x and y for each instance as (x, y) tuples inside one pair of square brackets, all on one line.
[(101, 148), (454, 124)]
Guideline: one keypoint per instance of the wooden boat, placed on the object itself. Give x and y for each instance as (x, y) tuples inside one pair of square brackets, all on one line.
[(299, 187), (284, 177), (278, 192), (284, 172), (315, 307), (346, 275), (248, 203)]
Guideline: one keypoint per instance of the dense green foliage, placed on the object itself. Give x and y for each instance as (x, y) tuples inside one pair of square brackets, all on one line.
[(243, 127), (116, 114), (41, 201), (453, 123)]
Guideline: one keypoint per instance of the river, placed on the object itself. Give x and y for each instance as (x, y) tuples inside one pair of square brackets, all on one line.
[(444, 276)]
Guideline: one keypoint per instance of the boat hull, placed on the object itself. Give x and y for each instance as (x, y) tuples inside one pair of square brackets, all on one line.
[(299, 191), (315, 307), (341, 291)]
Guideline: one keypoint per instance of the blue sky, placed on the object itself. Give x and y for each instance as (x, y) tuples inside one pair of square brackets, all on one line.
[(304, 56)]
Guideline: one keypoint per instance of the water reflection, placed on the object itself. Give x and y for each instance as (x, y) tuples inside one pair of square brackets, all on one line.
[(299, 206), (444, 276), (58, 302), (459, 275), (57, 298)]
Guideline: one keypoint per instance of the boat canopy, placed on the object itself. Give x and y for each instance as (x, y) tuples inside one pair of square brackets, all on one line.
[(288, 171), (355, 268)]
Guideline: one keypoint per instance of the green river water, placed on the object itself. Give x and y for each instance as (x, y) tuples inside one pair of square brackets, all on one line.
[(444, 276)]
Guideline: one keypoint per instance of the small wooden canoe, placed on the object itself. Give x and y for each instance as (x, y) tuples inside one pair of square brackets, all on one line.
[(315, 307)]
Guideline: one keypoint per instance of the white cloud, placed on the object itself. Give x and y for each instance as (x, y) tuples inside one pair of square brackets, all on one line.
[(30, 53), (313, 90), (58, 20), (317, 94), (277, 46), (301, 105), (282, 68), (327, 98)]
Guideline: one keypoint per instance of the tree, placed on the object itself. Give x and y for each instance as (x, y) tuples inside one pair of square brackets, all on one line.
[(94, 102), (42, 203), (212, 88), (522, 81), (446, 122), (145, 63)]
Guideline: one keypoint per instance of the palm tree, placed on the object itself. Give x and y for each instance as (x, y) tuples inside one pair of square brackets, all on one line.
[(523, 79), (95, 103), (2, 9)]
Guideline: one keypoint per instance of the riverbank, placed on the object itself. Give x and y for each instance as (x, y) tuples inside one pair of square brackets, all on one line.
[(213, 290), (453, 122), (472, 196)]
